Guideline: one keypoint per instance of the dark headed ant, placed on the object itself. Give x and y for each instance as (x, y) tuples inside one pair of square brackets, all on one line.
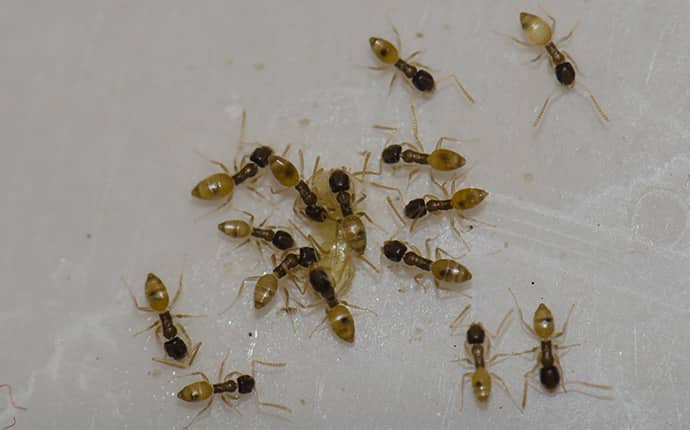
[(419, 79), (442, 269), (550, 371), (239, 229), (175, 347), (539, 33), (229, 387)]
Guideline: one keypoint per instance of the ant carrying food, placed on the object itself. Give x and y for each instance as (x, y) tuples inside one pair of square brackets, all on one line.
[(548, 364), (174, 346), (229, 387), (419, 79), (478, 356), (540, 34)]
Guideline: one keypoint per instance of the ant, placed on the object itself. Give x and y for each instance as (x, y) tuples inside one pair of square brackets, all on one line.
[(440, 159), (457, 201), (442, 269), (337, 313), (281, 239), (540, 34), (478, 355), (175, 347), (14, 405), (550, 371), (419, 78), (227, 387), (267, 284)]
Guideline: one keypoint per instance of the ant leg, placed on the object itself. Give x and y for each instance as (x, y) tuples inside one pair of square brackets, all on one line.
[(526, 326), (503, 325), (440, 252), (210, 402), (505, 387), (414, 54), (224, 397), (597, 107), (538, 57), (301, 163), (11, 424), (316, 167), (456, 322), (239, 292), (390, 85), (369, 263), (361, 308), (553, 20), (457, 232), (543, 108), (12, 402), (524, 389), (418, 279), (195, 348), (415, 128), (565, 324), (442, 139), (462, 388), (156, 323), (136, 304), (567, 36), (390, 203), (378, 67), (318, 326), (461, 87), (259, 402), (387, 187), (397, 37)]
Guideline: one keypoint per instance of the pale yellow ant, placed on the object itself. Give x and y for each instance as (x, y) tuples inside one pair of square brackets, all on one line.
[(550, 370), (478, 356), (539, 34), (419, 79)]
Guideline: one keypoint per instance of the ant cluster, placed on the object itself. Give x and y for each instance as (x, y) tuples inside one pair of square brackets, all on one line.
[(323, 266)]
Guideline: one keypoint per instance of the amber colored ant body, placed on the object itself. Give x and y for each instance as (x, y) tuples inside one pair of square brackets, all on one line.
[(267, 284), (478, 355), (550, 371), (229, 387), (540, 34), (221, 185), (174, 346), (419, 79), (239, 229), (442, 269), (459, 201), (440, 159)]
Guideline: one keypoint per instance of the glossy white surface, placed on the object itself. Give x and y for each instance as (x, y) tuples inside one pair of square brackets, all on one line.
[(104, 104)]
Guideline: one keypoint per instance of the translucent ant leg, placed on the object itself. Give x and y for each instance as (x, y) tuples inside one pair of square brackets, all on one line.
[(526, 326), (390, 203), (458, 319), (524, 389), (565, 324), (543, 108), (597, 107), (414, 54), (505, 387), (457, 232), (179, 288), (378, 67), (538, 57), (462, 388), (397, 38), (567, 36), (390, 85), (460, 87), (259, 402), (318, 326), (11, 397), (157, 322), (239, 292), (210, 402), (11, 424), (136, 304)]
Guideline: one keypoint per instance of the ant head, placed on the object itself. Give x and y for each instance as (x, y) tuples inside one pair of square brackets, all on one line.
[(384, 50), (543, 322), (536, 29), (549, 377), (391, 154), (245, 384), (475, 334), (260, 156), (156, 294), (283, 240), (416, 208), (423, 81), (565, 73), (308, 256), (394, 250), (339, 181)]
